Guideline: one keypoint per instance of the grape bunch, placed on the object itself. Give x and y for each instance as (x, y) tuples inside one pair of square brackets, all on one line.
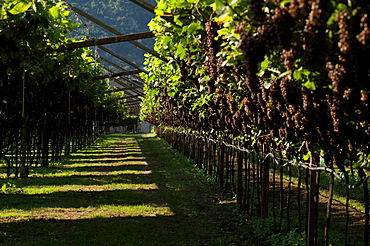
[(364, 35), (344, 34), (294, 38), (213, 48)]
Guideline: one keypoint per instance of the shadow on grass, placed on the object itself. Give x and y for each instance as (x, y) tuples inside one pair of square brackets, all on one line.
[(140, 231), (193, 221), (116, 158), (83, 180), (77, 199)]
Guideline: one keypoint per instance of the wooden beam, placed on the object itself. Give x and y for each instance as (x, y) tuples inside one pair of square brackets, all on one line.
[(145, 5), (137, 104), (128, 97), (134, 101), (132, 83), (119, 82), (135, 96), (134, 90), (124, 89), (137, 101), (97, 42), (116, 74), (119, 67), (114, 31), (121, 58), (94, 20)]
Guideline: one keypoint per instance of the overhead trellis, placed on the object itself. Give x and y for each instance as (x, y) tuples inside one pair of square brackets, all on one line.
[(121, 58), (116, 74), (127, 81), (98, 42), (113, 30)]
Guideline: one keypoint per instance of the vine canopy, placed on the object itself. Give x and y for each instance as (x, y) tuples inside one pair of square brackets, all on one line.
[(30, 26), (286, 72)]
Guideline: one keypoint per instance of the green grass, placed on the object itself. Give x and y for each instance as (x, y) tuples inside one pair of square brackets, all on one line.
[(356, 195), (123, 190)]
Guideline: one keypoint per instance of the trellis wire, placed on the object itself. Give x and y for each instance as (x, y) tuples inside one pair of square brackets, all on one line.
[(245, 172), (305, 165)]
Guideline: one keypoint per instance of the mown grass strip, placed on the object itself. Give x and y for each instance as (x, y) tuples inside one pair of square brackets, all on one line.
[(123, 190)]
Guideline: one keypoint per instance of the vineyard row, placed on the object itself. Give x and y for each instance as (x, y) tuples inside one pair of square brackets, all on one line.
[(289, 194)]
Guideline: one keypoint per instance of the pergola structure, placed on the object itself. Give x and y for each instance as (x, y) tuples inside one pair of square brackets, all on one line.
[(127, 80)]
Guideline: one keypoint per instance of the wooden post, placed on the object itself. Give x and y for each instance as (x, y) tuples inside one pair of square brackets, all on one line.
[(367, 217), (222, 166), (239, 191), (312, 215), (45, 143), (209, 157), (23, 169), (265, 179), (329, 207), (200, 153), (367, 204)]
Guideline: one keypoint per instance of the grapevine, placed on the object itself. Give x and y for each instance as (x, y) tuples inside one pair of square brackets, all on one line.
[(286, 70)]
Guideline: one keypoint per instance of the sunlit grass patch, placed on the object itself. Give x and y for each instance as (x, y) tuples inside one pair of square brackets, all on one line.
[(109, 194), (50, 172), (98, 215), (47, 189), (95, 172), (102, 211), (14, 215), (150, 210), (12, 212)]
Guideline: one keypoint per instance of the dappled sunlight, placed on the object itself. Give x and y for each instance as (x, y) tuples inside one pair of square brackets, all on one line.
[(111, 164), (97, 182), (110, 160), (32, 190), (112, 173), (116, 211), (115, 199)]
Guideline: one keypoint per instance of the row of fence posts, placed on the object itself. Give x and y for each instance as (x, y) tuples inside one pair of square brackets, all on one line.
[(30, 147), (264, 186)]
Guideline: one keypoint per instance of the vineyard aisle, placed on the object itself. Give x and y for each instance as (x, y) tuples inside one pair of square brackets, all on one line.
[(123, 190)]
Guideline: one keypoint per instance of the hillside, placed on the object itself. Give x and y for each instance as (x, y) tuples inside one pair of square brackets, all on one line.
[(123, 15)]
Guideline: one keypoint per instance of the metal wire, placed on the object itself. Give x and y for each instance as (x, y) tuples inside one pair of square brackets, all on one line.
[(261, 157)]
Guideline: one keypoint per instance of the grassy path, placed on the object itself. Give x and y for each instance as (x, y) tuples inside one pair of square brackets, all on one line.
[(123, 190)]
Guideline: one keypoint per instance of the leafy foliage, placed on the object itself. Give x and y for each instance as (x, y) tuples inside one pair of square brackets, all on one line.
[(48, 92), (286, 73)]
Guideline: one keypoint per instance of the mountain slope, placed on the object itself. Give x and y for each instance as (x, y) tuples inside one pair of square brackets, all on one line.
[(122, 15)]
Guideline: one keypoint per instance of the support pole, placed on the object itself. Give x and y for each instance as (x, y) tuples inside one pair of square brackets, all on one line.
[(23, 169), (265, 179), (312, 214), (239, 193)]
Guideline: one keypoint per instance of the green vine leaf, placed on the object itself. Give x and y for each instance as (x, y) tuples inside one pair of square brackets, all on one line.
[(20, 6)]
